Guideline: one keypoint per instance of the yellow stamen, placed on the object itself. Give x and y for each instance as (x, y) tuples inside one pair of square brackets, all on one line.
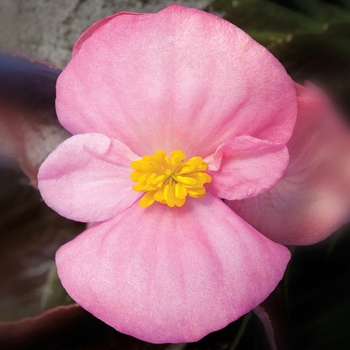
[(169, 180)]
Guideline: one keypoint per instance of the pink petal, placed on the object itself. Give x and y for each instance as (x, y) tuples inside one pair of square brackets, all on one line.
[(171, 274), (175, 80), (312, 200), (87, 178), (246, 166), (91, 30)]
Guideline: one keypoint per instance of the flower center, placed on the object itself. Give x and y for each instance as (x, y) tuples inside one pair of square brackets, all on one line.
[(169, 180)]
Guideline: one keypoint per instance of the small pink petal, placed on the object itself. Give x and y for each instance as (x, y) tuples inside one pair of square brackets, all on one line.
[(87, 178), (196, 77), (171, 274), (246, 166), (312, 199)]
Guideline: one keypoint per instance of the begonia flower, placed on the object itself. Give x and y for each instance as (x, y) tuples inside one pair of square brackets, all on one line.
[(312, 200), (170, 112)]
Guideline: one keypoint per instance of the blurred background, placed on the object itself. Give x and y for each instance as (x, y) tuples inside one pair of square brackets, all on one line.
[(309, 310)]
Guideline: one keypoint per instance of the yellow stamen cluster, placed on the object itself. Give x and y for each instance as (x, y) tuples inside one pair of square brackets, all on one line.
[(169, 180)]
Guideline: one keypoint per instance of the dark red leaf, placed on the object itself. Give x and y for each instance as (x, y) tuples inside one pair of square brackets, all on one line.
[(30, 234), (29, 129), (67, 327)]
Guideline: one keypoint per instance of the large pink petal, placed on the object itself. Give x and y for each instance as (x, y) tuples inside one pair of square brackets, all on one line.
[(87, 178), (91, 30), (171, 274), (246, 166), (312, 200), (178, 79)]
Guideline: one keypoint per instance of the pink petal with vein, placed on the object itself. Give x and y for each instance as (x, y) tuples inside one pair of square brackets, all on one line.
[(246, 166), (312, 199), (171, 274), (174, 80), (87, 178)]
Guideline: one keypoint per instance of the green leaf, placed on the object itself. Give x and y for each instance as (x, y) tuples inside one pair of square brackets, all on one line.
[(53, 293), (271, 22), (322, 58), (265, 21)]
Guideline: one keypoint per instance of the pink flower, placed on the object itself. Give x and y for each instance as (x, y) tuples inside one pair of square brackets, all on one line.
[(177, 263), (312, 200)]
